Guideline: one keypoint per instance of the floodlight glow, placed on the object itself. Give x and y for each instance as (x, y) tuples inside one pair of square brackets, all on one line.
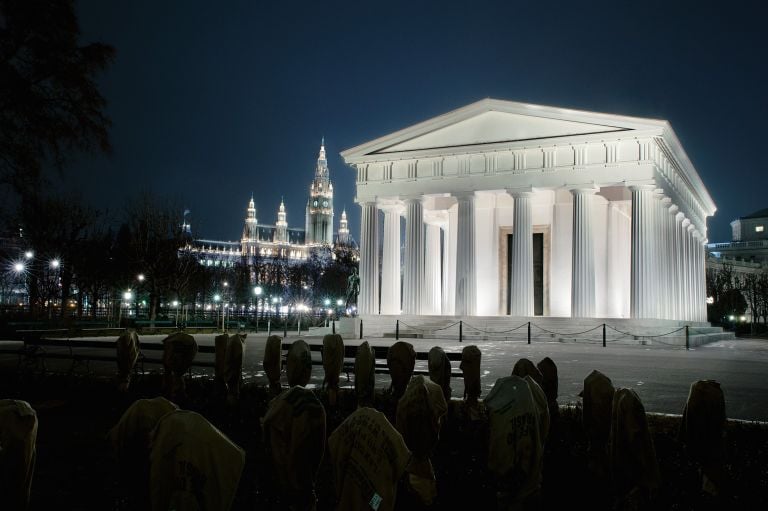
[(140, 277), (216, 298), (29, 254), (226, 283), (339, 302), (731, 318), (743, 319), (19, 267), (175, 303), (257, 290), (55, 263), (274, 299), (710, 299), (326, 302), (128, 295)]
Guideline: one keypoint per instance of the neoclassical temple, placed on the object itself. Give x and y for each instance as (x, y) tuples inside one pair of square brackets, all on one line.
[(528, 210)]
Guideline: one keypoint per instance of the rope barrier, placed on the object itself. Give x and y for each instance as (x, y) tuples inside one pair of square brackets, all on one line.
[(491, 332), (566, 333), (644, 335)]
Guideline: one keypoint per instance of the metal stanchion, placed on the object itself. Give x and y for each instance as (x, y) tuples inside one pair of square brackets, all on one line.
[(269, 327), (333, 326), (361, 329), (529, 332), (603, 335), (687, 338), (397, 330), (461, 331)]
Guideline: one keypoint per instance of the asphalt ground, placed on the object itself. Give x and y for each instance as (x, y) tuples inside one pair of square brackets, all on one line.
[(661, 375)]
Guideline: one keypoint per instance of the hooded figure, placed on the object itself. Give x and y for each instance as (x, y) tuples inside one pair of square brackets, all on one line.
[(525, 367), (179, 352), (365, 375), (440, 370), (548, 371), (596, 415), (518, 420), (272, 354), (299, 364), (368, 457), (420, 414), (333, 361), (470, 366), (294, 435), (632, 457), (702, 430), (127, 354), (18, 437), (193, 465), (233, 366), (401, 359)]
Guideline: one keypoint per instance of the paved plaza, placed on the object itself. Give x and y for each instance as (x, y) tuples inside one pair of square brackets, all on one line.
[(661, 375)]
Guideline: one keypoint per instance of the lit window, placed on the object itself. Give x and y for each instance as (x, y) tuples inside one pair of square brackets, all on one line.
[(758, 228)]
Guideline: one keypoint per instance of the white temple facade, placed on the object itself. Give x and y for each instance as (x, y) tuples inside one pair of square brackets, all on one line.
[(523, 210)]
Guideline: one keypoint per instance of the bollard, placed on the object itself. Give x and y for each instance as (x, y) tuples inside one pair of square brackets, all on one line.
[(361, 329), (397, 330), (461, 331), (687, 343), (529, 332), (603, 335), (333, 326)]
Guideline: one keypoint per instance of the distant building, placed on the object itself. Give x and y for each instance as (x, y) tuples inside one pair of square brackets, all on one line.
[(278, 239), (748, 249)]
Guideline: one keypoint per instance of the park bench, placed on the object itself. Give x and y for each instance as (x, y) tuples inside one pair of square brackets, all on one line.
[(380, 352)]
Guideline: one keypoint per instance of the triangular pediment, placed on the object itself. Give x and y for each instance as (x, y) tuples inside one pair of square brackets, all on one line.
[(491, 122), (496, 127)]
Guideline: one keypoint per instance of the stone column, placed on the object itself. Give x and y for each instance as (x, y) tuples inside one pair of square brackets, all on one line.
[(699, 283), (685, 275), (449, 262), (432, 296), (674, 255), (390, 267), (368, 300), (583, 255), (413, 274), (522, 255), (665, 273), (642, 252), (466, 282)]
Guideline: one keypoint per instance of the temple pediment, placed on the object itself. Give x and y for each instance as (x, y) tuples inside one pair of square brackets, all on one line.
[(490, 122)]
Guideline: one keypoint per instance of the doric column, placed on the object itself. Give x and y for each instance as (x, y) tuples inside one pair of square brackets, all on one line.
[(413, 274), (466, 282), (522, 255), (390, 267), (698, 268), (642, 252), (583, 255), (664, 289), (368, 301), (685, 275), (432, 297), (449, 262), (690, 272), (674, 255)]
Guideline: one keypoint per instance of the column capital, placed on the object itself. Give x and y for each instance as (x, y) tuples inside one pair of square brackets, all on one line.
[(583, 190), (666, 201), (438, 217), (679, 217), (673, 209), (522, 192), (464, 195), (641, 187), (410, 199), (391, 205)]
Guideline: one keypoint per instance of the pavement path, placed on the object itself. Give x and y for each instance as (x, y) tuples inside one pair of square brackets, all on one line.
[(660, 375)]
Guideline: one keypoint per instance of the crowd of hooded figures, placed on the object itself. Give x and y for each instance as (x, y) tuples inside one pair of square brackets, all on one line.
[(193, 465)]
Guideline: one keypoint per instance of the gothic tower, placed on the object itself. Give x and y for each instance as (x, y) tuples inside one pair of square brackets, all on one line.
[(343, 229), (250, 231), (281, 227), (319, 224)]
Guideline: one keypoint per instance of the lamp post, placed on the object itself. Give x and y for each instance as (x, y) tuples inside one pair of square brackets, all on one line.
[(127, 296), (176, 304), (257, 291), (216, 299)]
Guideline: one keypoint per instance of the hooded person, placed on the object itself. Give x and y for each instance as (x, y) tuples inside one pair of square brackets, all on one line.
[(440, 370), (333, 361), (365, 374), (401, 359), (299, 364), (193, 465), (272, 354), (18, 438), (596, 415), (470, 366), (233, 366), (518, 420), (294, 436), (702, 431), (632, 457), (179, 351), (368, 457), (127, 355), (420, 414)]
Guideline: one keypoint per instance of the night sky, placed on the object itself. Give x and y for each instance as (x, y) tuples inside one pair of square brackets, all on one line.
[(211, 101)]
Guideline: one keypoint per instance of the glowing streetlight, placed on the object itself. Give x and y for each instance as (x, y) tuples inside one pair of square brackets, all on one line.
[(226, 283), (29, 254), (257, 291), (326, 302), (175, 303), (19, 267), (140, 277), (128, 296), (216, 297), (55, 263), (339, 302)]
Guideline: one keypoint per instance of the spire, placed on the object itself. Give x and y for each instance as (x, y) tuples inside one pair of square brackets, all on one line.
[(321, 170)]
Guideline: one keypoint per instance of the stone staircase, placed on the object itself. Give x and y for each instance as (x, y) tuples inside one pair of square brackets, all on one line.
[(542, 329)]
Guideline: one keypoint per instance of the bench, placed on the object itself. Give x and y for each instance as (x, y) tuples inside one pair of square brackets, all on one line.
[(380, 352)]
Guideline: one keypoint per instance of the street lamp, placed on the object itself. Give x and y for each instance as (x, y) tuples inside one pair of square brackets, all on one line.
[(257, 291), (217, 298), (19, 267), (29, 254), (140, 277), (176, 304), (55, 263)]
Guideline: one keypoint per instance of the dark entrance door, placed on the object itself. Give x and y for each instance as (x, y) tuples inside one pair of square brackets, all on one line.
[(538, 274)]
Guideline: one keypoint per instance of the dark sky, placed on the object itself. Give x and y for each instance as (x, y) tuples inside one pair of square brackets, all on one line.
[(211, 101)]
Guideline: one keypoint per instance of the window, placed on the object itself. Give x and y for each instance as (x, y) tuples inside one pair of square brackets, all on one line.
[(758, 228)]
